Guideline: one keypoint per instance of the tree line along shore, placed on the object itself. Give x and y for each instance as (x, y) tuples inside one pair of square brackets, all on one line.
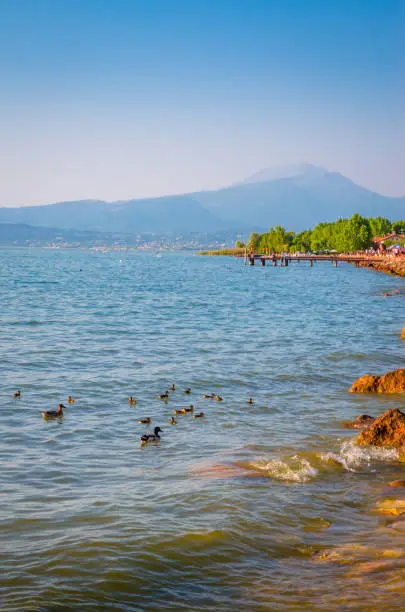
[(354, 235), (344, 236)]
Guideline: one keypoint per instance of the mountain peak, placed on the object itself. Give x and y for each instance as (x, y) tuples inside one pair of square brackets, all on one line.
[(286, 171), (296, 197)]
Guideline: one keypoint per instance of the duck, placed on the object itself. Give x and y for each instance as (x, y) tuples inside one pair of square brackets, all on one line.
[(54, 414), (211, 396), (145, 421), (173, 421), (189, 409), (70, 400), (250, 400), (172, 388), (164, 396), (218, 398), (17, 394), (131, 401), (178, 411), (151, 437), (199, 415), (188, 390)]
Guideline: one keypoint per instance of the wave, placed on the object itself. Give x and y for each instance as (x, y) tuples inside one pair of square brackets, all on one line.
[(297, 469), (302, 467), (354, 458)]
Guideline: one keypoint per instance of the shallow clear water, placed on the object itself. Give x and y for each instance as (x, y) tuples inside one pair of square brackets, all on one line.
[(263, 507)]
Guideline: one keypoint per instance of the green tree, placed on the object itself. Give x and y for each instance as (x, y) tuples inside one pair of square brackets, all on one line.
[(398, 226), (301, 242), (359, 233), (343, 235), (253, 241), (276, 239), (321, 237), (240, 245), (380, 226)]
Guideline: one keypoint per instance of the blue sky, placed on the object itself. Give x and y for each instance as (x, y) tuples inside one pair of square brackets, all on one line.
[(132, 98)]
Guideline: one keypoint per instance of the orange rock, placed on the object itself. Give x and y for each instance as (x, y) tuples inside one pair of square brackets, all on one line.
[(403, 334), (365, 384), (392, 382), (386, 430), (397, 483)]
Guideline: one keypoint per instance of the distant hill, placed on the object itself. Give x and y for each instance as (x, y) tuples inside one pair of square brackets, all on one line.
[(21, 233), (298, 202), (158, 215), (297, 197)]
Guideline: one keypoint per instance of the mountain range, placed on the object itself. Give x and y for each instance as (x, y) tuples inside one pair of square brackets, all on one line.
[(296, 197)]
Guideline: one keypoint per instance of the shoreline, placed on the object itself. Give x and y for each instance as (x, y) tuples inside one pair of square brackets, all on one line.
[(389, 265)]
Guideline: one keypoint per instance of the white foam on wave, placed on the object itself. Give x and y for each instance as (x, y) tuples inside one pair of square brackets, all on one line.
[(351, 457), (297, 469), (354, 458)]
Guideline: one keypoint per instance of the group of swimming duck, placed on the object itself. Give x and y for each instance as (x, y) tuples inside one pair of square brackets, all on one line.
[(155, 437)]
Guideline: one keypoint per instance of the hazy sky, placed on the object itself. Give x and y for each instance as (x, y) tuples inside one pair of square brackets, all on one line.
[(115, 99)]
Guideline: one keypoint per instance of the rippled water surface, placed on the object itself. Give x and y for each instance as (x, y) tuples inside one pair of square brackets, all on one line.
[(257, 507)]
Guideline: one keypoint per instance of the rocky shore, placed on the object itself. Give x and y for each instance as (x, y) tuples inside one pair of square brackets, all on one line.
[(389, 265), (388, 429)]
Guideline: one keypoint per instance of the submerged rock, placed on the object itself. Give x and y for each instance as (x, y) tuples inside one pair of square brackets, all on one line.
[(399, 523), (390, 293), (358, 555), (392, 382), (347, 553), (386, 430), (231, 470), (379, 565), (316, 524), (392, 506), (364, 420)]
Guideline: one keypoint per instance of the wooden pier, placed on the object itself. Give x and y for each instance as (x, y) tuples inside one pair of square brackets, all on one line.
[(285, 260)]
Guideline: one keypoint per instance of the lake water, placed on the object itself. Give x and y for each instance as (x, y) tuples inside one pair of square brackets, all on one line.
[(254, 507)]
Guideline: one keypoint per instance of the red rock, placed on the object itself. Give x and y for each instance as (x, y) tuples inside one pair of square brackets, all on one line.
[(386, 430)]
